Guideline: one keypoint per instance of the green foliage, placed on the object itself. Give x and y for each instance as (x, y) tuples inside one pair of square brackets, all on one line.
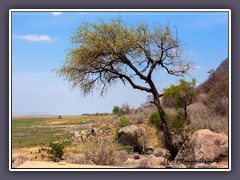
[(155, 120), (102, 52), (181, 95), (115, 110), (178, 124), (124, 121), (56, 150)]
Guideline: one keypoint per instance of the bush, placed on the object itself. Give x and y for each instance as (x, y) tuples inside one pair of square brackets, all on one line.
[(137, 118), (56, 150), (220, 106), (126, 108), (155, 120), (123, 121), (203, 118), (100, 151), (115, 110), (179, 123)]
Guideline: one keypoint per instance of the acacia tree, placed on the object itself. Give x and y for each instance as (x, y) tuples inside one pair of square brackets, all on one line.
[(104, 53), (181, 95)]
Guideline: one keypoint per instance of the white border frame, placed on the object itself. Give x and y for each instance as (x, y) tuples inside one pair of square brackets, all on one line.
[(114, 10)]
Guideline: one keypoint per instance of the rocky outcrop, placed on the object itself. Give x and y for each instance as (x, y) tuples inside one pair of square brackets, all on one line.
[(132, 131), (203, 147), (145, 162), (128, 136)]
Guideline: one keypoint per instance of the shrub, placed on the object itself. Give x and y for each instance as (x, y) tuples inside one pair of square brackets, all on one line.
[(59, 117), (126, 108), (178, 124), (220, 106), (155, 120), (203, 118), (100, 151), (123, 121), (137, 118), (115, 110), (56, 150), (176, 121)]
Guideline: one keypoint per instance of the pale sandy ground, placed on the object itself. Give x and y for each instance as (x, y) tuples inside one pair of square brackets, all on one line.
[(49, 165)]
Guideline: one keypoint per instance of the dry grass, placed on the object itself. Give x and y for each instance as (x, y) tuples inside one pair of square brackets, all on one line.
[(98, 150), (152, 138), (136, 116), (18, 160), (75, 158), (203, 118)]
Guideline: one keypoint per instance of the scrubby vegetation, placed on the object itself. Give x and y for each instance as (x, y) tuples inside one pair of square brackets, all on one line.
[(214, 91), (187, 108), (99, 151), (123, 121), (56, 150), (155, 120), (180, 96)]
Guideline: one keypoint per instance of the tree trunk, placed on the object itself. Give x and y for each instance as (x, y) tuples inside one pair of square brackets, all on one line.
[(185, 111), (166, 132)]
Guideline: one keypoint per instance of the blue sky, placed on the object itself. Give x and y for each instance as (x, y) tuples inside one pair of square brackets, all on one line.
[(40, 41)]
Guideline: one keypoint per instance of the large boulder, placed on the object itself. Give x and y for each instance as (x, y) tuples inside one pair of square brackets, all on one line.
[(145, 162), (132, 130), (204, 146), (129, 135), (160, 152), (120, 157)]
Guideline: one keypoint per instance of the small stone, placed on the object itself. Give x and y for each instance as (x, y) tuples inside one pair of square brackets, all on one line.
[(136, 156)]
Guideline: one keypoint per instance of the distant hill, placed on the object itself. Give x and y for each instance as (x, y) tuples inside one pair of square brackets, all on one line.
[(214, 75), (214, 91), (223, 67)]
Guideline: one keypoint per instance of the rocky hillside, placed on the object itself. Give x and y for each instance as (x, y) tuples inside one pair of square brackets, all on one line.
[(214, 75)]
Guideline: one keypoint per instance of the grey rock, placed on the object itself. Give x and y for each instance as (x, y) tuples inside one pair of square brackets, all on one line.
[(160, 152), (204, 146)]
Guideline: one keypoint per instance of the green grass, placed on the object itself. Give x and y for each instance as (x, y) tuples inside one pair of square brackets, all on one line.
[(28, 132), (31, 132)]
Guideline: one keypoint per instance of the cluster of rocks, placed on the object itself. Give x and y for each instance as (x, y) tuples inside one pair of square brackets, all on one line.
[(203, 149)]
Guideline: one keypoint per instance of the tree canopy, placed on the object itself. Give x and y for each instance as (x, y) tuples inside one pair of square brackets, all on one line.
[(104, 53), (181, 95)]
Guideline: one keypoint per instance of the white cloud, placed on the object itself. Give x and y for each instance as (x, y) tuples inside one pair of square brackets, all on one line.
[(56, 13), (31, 37)]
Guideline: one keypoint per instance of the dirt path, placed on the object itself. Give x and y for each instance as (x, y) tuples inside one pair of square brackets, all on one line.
[(49, 165)]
